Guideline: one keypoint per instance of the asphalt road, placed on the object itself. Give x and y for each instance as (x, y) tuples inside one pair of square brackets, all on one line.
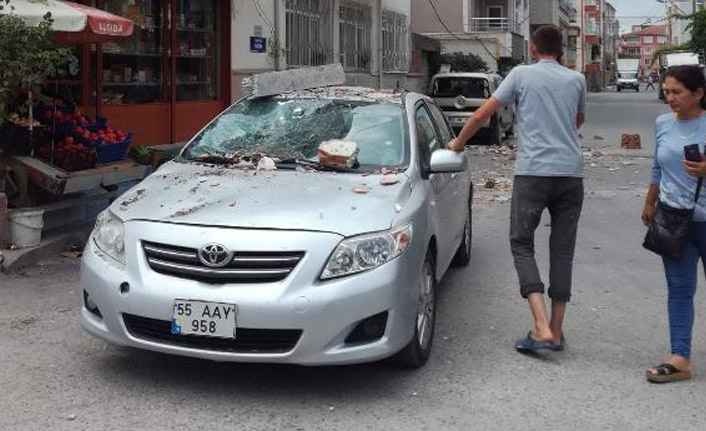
[(611, 114), (54, 377)]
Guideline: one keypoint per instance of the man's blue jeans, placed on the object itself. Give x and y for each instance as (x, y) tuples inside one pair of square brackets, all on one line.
[(681, 280)]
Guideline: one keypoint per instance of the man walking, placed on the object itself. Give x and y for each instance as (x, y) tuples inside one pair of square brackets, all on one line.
[(650, 82), (550, 103)]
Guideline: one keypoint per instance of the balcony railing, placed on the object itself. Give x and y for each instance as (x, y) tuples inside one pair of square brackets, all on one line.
[(490, 25)]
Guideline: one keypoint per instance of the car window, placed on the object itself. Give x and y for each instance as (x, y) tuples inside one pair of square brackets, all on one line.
[(427, 137), (470, 87), (285, 127), (441, 124)]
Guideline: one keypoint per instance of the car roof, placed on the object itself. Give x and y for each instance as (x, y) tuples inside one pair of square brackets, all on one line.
[(464, 75), (364, 94)]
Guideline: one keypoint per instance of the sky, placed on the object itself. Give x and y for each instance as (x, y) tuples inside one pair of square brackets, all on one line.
[(634, 12)]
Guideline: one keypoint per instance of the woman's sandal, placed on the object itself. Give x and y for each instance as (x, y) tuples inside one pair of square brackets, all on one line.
[(667, 373)]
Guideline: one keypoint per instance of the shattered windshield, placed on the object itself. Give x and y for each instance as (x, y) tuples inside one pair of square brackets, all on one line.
[(472, 88), (294, 128)]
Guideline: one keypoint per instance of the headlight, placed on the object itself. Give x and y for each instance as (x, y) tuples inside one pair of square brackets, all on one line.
[(366, 252), (109, 236)]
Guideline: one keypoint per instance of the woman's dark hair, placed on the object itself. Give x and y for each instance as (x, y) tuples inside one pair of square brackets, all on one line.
[(691, 77), (548, 40)]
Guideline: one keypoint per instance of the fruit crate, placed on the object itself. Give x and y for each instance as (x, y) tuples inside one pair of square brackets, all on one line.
[(113, 152)]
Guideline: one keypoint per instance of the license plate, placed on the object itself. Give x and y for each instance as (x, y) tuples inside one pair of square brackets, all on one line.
[(207, 319), (457, 120)]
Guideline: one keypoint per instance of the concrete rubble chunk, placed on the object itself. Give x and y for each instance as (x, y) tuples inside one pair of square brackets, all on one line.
[(272, 83), (338, 152)]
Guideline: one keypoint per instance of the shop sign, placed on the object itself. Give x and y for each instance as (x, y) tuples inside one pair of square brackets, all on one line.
[(258, 44)]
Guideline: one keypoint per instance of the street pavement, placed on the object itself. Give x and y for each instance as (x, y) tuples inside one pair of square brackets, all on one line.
[(55, 377)]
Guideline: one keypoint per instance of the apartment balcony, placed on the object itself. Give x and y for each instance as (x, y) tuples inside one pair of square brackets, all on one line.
[(493, 25)]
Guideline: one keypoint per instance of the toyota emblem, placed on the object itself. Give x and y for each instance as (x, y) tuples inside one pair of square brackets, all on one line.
[(214, 255)]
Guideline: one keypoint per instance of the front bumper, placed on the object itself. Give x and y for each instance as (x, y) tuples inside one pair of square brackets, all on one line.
[(459, 119), (325, 312)]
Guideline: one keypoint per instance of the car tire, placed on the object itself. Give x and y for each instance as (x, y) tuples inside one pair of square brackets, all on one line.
[(463, 254), (416, 353), (511, 130), (496, 131), (619, 89)]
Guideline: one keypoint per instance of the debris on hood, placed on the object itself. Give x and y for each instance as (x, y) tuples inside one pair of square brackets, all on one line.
[(266, 164), (337, 152), (139, 194), (361, 189), (389, 179)]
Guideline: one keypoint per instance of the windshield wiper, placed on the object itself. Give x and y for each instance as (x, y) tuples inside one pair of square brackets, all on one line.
[(292, 163)]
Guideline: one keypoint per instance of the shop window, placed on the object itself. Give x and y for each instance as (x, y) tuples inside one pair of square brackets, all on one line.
[(394, 41), (355, 30), (309, 29), (138, 69), (133, 68), (197, 44)]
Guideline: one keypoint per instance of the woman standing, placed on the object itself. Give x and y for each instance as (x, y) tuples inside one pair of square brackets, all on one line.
[(674, 182)]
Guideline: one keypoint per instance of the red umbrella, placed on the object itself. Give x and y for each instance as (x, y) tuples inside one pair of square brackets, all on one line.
[(73, 23)]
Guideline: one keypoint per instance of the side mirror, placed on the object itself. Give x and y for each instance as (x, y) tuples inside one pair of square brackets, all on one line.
[(444, 161)]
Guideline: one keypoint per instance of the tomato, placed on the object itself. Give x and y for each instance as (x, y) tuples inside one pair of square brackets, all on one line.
[(69, 140)]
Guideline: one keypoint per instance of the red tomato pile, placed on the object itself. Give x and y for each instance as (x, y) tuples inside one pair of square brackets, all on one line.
[(69, 155)]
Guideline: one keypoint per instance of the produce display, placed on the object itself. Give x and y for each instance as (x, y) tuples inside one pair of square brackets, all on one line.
[(79, 143)]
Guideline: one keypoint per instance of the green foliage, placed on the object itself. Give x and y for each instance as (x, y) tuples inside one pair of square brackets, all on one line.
[(697, 26), (461, 62), (28, 56), (505, 65)]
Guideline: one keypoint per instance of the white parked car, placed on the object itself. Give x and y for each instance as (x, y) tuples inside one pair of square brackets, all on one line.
[(297, 261), (461, 94)]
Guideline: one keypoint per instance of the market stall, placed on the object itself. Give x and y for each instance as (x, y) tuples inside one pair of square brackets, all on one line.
[(53, 151)]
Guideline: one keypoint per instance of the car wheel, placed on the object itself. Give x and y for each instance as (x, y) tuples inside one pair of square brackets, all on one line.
[(619, 89), (463, 254), (511, 130), (496, 131), (417, 352)]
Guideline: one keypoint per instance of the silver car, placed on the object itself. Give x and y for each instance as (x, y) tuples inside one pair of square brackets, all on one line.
[(248, 248)]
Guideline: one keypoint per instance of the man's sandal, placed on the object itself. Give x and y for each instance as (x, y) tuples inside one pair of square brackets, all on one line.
[(667, 373)]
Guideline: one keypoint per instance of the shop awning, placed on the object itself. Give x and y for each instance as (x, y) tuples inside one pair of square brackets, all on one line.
[(73, 23)]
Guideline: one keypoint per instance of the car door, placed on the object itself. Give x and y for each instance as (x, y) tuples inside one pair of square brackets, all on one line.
[(459, 180), (441, 188)]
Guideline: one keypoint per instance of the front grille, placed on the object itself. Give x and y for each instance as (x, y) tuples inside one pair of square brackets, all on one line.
[(244, 267), (246, 341)]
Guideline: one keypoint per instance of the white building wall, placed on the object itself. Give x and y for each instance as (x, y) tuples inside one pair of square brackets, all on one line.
[(271, 16)]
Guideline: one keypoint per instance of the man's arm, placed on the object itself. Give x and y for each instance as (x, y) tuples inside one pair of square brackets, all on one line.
[(474, 123)]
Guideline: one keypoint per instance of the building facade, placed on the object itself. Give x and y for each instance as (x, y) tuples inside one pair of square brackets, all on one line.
[(495, 30), (642, 42), (597, 43), (371, 38)]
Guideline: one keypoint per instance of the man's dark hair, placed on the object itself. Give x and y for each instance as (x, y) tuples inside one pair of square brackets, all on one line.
[(548, 40)]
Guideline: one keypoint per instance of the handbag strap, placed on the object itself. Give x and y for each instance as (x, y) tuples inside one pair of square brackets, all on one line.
[(698, 189)]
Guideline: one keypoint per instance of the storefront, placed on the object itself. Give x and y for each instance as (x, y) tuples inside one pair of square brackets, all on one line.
[(164, 82)]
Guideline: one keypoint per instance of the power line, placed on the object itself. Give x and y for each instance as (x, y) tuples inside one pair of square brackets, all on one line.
[(443, 24)]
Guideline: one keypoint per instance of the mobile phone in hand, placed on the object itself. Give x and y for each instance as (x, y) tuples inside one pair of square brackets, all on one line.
[(692, 153)]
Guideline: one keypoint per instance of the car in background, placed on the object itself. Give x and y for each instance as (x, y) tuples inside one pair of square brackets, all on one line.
[(246, 247), (461, 94)]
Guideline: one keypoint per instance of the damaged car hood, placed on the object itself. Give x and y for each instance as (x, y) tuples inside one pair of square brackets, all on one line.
[(343, 203)]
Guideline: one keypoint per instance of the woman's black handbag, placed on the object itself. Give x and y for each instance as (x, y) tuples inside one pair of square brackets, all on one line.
[(669, 230)]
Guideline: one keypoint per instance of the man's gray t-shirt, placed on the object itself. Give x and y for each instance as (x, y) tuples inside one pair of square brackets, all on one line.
[(547, 98)]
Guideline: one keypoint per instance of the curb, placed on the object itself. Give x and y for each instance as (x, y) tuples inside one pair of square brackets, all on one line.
[(51, 245)]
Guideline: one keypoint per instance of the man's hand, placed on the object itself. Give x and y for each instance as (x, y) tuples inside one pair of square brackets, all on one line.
[(456, 145), (696, 169)]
